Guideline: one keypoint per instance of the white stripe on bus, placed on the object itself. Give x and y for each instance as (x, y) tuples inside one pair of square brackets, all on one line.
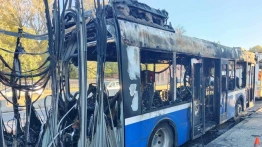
[(146, 116)]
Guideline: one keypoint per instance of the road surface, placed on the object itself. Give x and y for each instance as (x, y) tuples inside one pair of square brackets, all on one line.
[(9, 121)]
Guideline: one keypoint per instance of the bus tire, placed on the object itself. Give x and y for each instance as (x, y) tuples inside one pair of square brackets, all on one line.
[(162, 136), (238, 110)]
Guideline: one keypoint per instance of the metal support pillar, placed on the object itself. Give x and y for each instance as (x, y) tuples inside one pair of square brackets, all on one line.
[(82, 67)]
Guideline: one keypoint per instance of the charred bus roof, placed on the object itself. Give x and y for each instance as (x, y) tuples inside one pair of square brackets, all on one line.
[(145, 27)]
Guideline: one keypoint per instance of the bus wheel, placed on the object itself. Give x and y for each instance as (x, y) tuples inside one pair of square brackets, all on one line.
[(238, 111), (162, 136)]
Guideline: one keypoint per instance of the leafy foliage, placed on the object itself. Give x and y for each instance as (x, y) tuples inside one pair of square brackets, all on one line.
[(89, 4), (30, 16), (256, 48), (73, 72)]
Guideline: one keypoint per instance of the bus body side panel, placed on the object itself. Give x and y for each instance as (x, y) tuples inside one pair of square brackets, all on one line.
[(232, 99), (139, 128), (258, 75)]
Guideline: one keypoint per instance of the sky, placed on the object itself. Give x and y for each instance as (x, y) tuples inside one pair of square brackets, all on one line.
[(234, 23)]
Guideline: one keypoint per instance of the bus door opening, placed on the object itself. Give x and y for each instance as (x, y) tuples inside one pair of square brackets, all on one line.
[(222, 91), (250, 86), (198, 100), (209, 87)]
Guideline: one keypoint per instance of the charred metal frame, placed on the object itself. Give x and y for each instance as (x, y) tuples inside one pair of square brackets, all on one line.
[(82, 50), (138, 33), (130, 28)]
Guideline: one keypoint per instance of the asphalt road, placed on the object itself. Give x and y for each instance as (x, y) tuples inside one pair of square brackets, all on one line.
[(9, 118), (221, 129), (243, 134), (8, 115)]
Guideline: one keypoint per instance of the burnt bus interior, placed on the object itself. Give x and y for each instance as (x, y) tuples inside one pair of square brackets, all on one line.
[(151, 99), (213, 81), (167, 82), (167, 78), (170, 72), (157, 81), (159, 75), (111, 102)]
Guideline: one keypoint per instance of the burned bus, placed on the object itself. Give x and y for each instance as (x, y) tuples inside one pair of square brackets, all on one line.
[(171, 88)]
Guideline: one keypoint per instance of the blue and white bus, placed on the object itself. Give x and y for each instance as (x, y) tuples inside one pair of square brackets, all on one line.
[(173, 88), (167, 88)]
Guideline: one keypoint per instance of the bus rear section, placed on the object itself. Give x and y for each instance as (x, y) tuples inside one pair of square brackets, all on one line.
[(258, 76)]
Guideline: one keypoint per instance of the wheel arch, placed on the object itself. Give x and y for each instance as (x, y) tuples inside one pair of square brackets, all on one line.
[(171, 124)]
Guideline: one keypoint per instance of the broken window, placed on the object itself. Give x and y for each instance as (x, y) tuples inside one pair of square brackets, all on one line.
[(224, 72), (180, 71), (163, 74), (183, 78), (156, 80), (250, 81), (241, 75), (250, 77), (111, 92), (112, 78), (231, 73), (209, 76)]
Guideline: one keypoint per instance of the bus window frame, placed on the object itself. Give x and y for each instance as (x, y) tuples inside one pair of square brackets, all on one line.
[(244, 75), (174, 89), (234, 79)]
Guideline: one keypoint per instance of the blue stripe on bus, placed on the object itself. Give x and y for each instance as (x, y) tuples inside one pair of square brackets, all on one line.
[(137, 134)]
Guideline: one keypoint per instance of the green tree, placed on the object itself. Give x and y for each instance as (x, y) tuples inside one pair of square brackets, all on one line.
[(91, 70), (256, 48), (30, 16), (73, 72), (89, 4), (111, 68)]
